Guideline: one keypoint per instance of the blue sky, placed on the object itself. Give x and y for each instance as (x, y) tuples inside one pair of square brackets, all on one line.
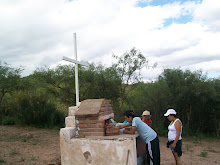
[(144, 3), (172, 33), (182, 19)]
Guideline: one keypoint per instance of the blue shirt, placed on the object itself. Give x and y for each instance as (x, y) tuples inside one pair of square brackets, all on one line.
[(145, 132)]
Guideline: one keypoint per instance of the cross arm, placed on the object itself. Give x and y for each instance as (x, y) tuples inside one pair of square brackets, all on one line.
[(75, 61)]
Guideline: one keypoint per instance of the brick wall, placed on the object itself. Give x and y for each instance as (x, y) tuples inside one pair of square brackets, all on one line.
[(90, 126), (92, 117)]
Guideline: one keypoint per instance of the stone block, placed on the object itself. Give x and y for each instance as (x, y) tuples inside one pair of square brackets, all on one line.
[(70, 121), (67, 133), (72, 110)]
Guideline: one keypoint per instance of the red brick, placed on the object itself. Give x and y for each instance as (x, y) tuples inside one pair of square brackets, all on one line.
[(87, 134), (90, 121), (100, 130), (83, 125), (100, 121), (91, 130), (106, 102), (102, 109), (101, 113), (81, 121), (80, 116), (112, 134), (91, 118), (98, 125), (97, 134), (108, 105), (81, 135)]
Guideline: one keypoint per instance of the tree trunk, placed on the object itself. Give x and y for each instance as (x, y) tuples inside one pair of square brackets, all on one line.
[(2, 95), (188, 113), (218, 130)]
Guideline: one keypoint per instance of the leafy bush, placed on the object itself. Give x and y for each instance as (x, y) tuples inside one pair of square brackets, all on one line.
[(8, 120), (203, 153), (159, 128), (28, 109)]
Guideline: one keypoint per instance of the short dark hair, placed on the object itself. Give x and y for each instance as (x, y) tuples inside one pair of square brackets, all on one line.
[(129, 113), (172, 115)]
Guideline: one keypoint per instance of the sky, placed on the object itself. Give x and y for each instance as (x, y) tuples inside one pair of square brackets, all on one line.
[(181, 34)]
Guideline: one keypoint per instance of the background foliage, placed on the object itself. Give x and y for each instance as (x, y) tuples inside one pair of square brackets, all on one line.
[(42, 98)]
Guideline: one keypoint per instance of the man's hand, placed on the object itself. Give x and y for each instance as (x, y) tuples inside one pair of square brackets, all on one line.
[(122, 126), (132, 131), (125, 131)]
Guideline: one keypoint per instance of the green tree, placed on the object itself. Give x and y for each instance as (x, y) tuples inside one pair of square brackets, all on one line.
[(9, 80), (58, 83), (94, 82), (193, 96), (128, 67), (216, 108), (99, 82)]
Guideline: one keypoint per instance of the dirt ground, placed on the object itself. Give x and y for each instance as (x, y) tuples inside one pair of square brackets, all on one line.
[(32, 146)]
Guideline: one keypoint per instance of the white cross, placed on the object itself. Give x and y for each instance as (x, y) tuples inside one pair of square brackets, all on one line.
[(76, 69)]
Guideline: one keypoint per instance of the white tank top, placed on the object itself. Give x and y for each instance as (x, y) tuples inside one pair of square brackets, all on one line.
[(172, 131)]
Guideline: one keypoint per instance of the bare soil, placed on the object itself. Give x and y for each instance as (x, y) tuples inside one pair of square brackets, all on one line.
[(32, 146)]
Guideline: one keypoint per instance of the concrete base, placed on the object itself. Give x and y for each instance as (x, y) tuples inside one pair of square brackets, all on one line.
[(97, 150)]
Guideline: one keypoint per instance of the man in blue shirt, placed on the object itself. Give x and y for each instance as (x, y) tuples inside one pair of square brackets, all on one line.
[(146, 133)]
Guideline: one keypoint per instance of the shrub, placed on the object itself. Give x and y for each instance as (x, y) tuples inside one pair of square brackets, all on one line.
[(159, 128), (8, 120), (203, 153), (35, 110)]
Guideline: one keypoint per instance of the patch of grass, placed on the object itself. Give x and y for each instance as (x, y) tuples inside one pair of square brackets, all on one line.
[(203, 153), (12, 138), (189, 148), (34, 143), (13, 152), (22, 159), (26, 137), (211, 150), (2, 161), (33, 158), (197, 140)]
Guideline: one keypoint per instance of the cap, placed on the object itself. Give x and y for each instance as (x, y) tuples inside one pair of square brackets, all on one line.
[(169, 112), (146, 113)]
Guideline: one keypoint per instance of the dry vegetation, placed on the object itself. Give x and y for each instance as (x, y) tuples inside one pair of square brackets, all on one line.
[(30, 146)]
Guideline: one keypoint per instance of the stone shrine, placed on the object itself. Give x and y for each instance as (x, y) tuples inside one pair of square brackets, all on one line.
[(90, 138)]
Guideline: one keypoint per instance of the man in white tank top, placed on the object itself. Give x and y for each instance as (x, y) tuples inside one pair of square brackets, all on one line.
[(174, 135)]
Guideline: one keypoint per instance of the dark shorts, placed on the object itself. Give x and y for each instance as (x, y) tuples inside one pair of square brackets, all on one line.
[(153, 152), (178, 147)]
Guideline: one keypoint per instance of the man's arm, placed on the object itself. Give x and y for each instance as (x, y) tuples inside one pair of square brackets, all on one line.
[(133, 129), (123, 125)]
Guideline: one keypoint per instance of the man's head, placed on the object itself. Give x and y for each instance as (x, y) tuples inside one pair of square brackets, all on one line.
[(129, 115), (146, 115)]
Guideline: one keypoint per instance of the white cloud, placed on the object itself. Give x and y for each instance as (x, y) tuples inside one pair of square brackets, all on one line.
[(208, 14), (38, 33)]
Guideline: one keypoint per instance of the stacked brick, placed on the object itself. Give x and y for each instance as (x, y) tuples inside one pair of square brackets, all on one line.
[(92, 116), (90, 126), (111, 130)]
